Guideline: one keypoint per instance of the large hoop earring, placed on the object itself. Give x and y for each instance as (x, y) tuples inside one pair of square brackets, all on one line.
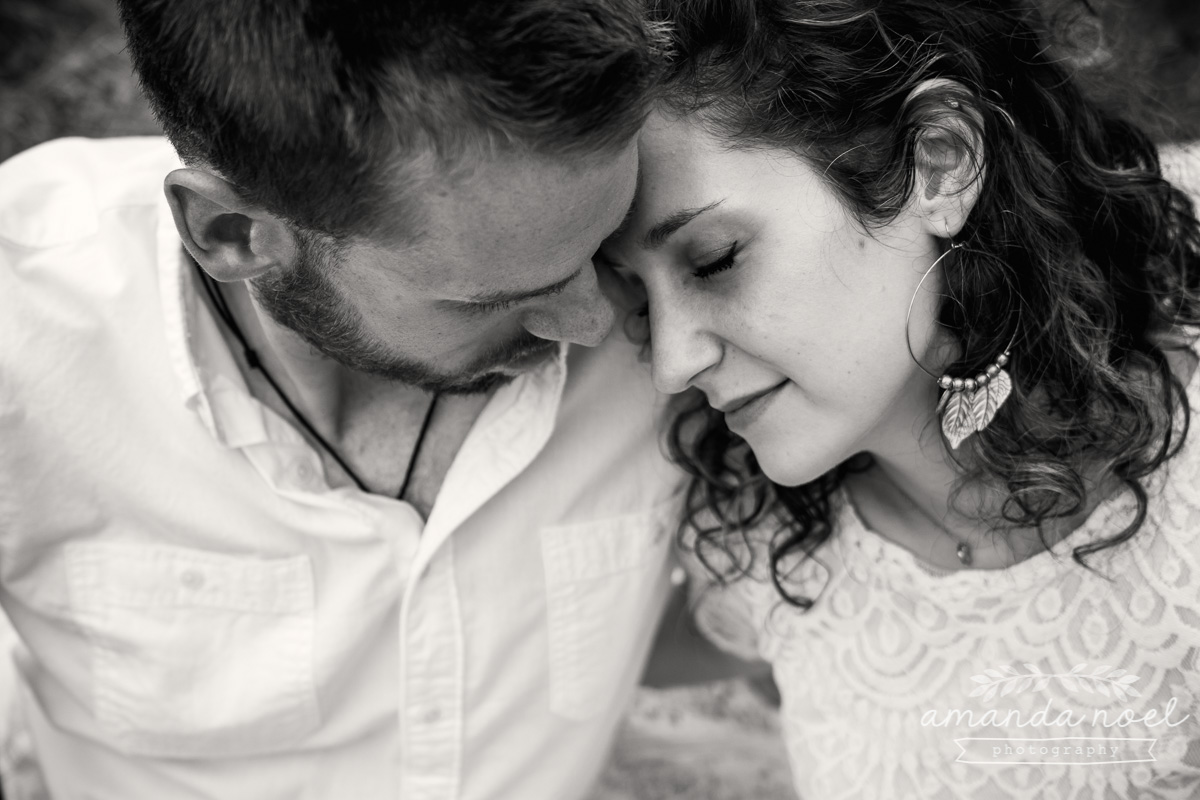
[(966, 405)]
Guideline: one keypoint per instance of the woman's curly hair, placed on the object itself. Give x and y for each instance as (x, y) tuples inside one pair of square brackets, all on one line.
[(1077, 251)]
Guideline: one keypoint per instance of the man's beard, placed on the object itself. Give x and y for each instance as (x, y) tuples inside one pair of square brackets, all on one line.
[(304, 300)]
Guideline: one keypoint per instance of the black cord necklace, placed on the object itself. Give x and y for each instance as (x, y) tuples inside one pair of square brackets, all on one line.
[(255, 363)]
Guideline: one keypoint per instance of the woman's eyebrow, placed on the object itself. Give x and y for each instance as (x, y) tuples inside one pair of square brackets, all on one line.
[(657, 236)]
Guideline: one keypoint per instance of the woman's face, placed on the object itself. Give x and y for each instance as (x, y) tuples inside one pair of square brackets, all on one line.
[(766, 294)]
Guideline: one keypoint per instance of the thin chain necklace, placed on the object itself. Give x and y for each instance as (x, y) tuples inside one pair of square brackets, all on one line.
[(252, 359), (962, 547)]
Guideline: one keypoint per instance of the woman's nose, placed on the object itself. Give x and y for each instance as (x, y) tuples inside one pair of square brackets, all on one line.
[(680, 346)]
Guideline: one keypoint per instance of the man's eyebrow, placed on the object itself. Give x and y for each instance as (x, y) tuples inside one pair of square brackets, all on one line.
[(657, 236), (505, 298)]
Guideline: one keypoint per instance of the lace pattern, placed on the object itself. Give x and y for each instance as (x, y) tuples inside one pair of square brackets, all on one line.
[(873, 674)]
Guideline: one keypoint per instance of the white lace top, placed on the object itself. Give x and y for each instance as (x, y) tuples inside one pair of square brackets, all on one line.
[(888, 680)]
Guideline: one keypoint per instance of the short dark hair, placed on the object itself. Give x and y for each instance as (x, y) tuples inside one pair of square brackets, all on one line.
[(313, 108), (1078, 253)]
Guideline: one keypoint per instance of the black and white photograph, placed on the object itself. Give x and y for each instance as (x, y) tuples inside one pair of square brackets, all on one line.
[(599, 399)]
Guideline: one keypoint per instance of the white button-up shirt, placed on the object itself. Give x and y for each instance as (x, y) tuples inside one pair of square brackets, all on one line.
[(201, 616)]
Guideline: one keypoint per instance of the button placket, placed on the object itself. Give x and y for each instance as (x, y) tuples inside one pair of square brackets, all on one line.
[(433, 670)]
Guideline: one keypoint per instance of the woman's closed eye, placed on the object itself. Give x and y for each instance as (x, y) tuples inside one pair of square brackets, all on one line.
[(727, 260)]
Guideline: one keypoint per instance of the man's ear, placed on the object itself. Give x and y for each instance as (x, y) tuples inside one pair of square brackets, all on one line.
[(230, 239), (948, 155)]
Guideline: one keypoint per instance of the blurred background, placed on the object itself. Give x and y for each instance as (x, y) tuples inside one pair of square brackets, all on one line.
[(63, 72)]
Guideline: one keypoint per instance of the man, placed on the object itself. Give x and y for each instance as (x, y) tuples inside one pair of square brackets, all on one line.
[(306, 490)]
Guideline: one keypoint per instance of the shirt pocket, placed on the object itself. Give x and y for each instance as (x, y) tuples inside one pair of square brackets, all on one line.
[(602, 581), (196, 654)]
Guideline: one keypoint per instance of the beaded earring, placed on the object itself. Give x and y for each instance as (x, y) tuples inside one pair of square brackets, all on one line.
[(966, 405)]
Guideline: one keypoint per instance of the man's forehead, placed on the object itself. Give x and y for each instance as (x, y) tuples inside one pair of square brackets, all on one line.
[(519, 223)]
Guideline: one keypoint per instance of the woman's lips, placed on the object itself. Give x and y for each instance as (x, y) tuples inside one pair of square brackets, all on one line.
[(747, 410)]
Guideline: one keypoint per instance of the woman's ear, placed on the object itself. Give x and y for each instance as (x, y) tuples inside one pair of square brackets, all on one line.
[(948, 155), (230, 239)]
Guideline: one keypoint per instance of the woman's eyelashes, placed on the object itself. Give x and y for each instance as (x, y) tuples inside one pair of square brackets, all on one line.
[(724, 262)]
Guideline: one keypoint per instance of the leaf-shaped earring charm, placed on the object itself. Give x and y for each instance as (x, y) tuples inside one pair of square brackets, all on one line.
[(958, 421), (989, 398), (969, 406)]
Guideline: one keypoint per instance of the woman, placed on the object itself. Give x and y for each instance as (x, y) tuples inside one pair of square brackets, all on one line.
[(938, 308)]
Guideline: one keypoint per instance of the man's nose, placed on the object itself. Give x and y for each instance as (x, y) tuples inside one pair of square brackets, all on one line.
[(581, 314)]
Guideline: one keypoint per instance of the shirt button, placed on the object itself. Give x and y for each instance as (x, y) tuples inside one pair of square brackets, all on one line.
[(192, 579), (305, 474)]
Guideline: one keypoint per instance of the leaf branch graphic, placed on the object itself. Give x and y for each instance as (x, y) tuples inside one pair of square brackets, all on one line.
[(1104, 680)]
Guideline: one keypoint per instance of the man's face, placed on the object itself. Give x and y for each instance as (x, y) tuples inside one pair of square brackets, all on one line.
[(501, 272)]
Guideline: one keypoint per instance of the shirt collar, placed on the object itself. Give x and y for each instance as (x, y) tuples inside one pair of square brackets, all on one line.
[(176, 293)]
